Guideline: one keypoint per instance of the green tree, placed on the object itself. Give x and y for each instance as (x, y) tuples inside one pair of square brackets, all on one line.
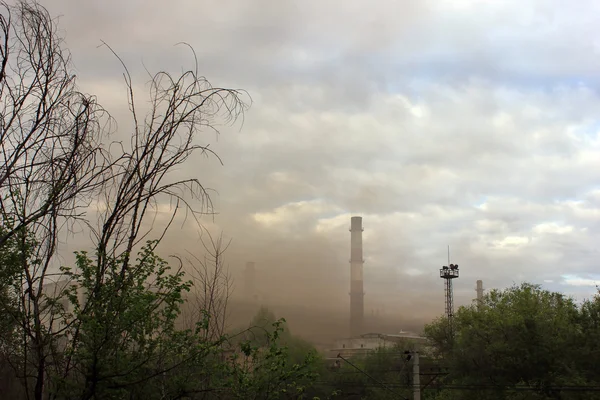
[(588, 349), (123, 342), (521, 338), (272, 363), (384, 373), (12, 314), (123, 336), (111, 333), (10, 257)]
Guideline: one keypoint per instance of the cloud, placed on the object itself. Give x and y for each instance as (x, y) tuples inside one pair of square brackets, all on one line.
[(572, 280), (471, 124)]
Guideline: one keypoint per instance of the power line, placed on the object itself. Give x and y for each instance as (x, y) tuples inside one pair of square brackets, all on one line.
[(385, 386), (573, 388)]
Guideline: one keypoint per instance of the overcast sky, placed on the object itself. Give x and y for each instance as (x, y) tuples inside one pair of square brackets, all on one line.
[(467, 123)]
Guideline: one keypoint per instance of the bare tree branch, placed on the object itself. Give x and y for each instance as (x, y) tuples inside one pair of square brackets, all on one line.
[(57, 163), (52, 164), (212, 285)]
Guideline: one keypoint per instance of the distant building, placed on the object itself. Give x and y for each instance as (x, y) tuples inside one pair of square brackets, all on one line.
[(369, 342)]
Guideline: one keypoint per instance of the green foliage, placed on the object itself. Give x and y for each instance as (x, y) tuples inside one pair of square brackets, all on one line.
[(271, 363), (123, 342), (385, 373), (10, 260), (261, 333), (16, 254), (124, 331), (119, 338), (522, 342), (588, 351), (438, 333)]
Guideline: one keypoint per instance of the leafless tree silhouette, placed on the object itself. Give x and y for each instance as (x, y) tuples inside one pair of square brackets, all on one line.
[(51, 153), (181, 107), (52, 161), (57, 164), (212, 286)]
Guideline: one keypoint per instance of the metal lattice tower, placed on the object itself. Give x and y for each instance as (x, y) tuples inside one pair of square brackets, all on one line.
[(448, 273)]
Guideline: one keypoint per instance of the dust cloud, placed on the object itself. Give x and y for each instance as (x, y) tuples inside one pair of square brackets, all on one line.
[(305, 278)]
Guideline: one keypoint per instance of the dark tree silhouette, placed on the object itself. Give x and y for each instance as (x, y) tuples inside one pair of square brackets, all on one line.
[(57, 163)]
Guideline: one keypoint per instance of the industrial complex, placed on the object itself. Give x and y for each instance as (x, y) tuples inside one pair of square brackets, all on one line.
[(360, 341), (362, 334), (360, 337)]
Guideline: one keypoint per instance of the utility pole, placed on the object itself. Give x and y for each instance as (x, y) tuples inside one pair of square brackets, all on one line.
[(413, 355), (416, 376)]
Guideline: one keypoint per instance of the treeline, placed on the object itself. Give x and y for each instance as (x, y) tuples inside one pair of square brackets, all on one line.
[(520, 343), (122, 342)]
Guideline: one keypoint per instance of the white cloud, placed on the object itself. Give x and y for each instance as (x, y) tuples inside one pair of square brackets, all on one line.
[(332, 225), (470, 124), (510, 243), (572, 280), (292, 213), (552, 228)]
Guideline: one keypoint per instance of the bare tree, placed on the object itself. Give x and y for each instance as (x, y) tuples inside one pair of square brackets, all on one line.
[(181, 107), (54, 162), (51, 157), (211, 286)]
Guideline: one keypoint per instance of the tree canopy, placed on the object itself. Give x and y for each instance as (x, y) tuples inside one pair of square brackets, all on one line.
[(521, 342)]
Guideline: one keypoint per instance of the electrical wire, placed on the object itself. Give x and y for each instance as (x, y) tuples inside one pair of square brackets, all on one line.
[(566, 388), (380, 384), (441, 386)]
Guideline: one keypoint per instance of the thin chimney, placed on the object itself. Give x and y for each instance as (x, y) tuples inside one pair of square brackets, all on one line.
[(479, 290), (356, 277)]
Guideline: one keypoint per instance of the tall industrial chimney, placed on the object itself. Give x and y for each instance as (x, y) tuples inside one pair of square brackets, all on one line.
[(479, 291), (250, 282), (356, 277)]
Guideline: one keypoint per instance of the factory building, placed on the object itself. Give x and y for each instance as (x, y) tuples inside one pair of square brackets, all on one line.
[(369, 342)]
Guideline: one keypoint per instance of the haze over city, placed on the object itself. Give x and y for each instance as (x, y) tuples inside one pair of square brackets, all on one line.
[(299, 200), (466, 123)]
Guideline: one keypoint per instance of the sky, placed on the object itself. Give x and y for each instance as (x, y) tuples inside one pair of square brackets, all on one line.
[(469, 124)]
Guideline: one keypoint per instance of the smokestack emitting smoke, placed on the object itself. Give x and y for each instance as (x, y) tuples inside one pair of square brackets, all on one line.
[(356, 277), (249, 281), (479, 291)]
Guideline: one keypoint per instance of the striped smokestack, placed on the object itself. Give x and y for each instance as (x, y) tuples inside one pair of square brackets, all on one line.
[(356, 277)]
